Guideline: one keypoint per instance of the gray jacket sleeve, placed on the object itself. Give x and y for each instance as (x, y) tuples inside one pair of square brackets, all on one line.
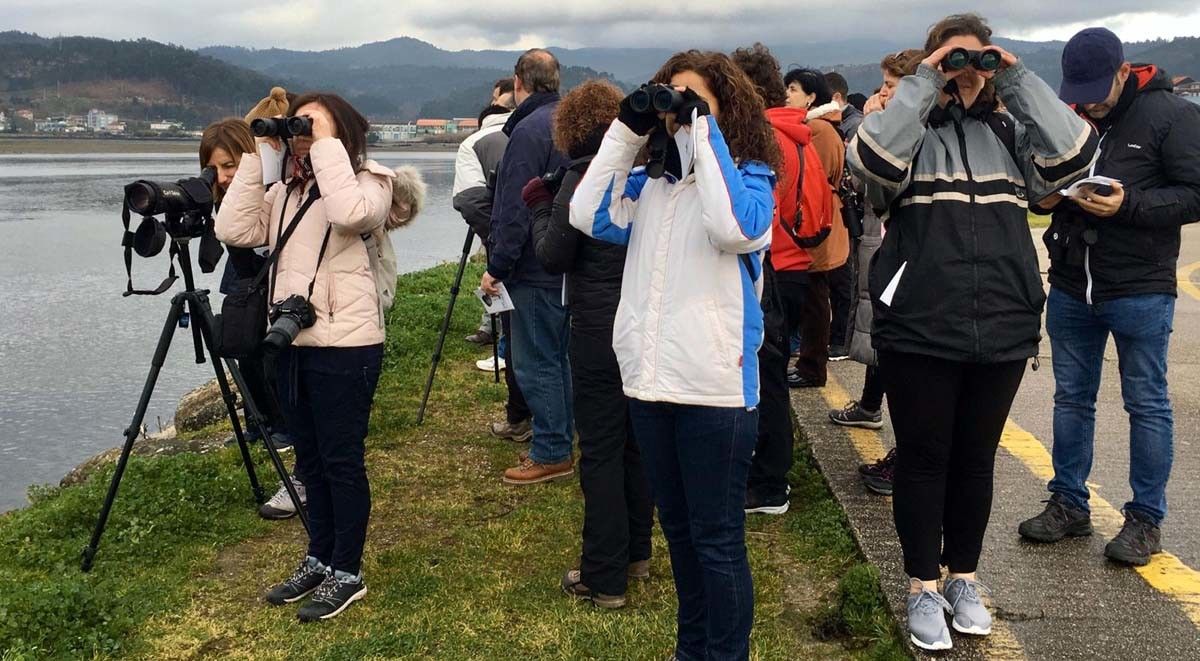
[(882, 151), (1055, 146), (475, 205)]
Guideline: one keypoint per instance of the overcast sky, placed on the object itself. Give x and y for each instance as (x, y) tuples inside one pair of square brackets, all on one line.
[(455, 25)]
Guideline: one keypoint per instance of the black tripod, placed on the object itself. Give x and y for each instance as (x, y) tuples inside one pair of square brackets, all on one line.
[(200, 317), (441, 342)]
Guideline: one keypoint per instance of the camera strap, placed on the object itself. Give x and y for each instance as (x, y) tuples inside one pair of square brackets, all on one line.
[(320, 256), (282, 238), (127, 243)]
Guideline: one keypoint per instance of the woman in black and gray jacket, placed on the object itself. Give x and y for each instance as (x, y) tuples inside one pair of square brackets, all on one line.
[(618, 511), (957, 293)]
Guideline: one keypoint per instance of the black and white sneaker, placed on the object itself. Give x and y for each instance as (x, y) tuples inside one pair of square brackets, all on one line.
[(332, 597), (307, 577), (838, 354), (853, 415), (773, 504)]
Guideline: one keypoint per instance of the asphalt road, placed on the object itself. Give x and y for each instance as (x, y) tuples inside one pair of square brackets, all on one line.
[(1062, 601)]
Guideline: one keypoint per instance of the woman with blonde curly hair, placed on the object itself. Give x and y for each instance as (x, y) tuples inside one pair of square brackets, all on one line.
[(689, 325), (618, 513)]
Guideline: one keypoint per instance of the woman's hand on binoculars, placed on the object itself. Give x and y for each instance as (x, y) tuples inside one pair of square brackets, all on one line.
[(641, 123), (322, 123), (934, 61)]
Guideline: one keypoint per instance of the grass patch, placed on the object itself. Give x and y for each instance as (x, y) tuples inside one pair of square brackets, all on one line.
[(1037, 221), (458, 565)]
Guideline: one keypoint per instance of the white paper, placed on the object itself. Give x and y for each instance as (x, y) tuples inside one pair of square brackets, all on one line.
[(889, 292), (1081, 187), (685, 140), (501, 302), (272, 163)]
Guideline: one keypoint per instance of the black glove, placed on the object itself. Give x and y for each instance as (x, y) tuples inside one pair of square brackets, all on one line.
[(691, 101), (639, 123)]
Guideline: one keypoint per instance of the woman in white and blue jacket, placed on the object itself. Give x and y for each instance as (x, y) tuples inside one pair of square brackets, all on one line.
[(689, 324)]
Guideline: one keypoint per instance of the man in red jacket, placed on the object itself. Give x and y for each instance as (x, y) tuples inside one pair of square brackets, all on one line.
[(783, 290)]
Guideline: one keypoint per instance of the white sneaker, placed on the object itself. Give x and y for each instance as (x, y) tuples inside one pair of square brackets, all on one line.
[(280, 505), (486, 365)]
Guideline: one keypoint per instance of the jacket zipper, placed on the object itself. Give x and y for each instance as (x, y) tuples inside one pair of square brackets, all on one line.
[(1087, 250), (962, 145)]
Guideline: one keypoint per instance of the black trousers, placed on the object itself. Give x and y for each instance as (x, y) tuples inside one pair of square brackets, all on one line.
[(326, 395), (515, 408), (872, 392), (948, 418), (793, 290), (618, 512), (776, 441), (814, 330), (261, 387), (841, 297)]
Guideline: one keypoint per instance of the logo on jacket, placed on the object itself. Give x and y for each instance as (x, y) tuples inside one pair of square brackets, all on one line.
[(1133, 146)]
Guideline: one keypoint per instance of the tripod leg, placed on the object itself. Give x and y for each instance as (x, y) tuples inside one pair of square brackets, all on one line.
[(253, 415), (135, 426), (495, 349), (437, 352)]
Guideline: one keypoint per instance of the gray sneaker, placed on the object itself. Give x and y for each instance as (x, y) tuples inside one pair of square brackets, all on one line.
[(927, 621), (280, 506), (970, 615)]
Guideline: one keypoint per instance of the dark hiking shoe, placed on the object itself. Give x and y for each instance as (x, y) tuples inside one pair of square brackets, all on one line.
[(572, 584), (519, 432), (1139, 539), (838, 354), (333, 596), (304, 580), (797, 381), (639, 569), (1057, 521), (878, 476), (480, 337), (854, 415), (757, 503)]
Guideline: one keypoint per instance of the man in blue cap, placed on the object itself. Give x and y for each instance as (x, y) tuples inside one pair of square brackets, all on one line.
[(1113, 252)]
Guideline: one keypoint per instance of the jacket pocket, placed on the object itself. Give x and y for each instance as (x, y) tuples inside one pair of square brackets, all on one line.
[(719, 337), (331, 293)]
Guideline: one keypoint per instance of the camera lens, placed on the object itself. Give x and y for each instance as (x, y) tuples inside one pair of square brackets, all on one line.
[(142, 198), (989, 60), (282, 333), (956, 59)]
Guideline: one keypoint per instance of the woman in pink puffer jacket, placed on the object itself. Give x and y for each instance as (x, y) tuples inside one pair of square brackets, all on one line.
[(327, 377)]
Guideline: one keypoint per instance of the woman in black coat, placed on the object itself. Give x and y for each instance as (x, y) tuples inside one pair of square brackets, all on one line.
[(618, 512)]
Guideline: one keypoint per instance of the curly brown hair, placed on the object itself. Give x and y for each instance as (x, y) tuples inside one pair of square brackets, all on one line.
[(763, 69), (582, 113), (742, 118)]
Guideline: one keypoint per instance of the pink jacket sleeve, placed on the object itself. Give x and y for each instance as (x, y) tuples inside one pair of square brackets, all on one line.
[(245, 216), (357, 204)]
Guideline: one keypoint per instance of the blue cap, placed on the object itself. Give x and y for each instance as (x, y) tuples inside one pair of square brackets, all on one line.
[(1090, 60)]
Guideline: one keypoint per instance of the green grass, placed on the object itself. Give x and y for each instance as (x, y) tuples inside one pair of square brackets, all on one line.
[(458, 565), (1038, 222)]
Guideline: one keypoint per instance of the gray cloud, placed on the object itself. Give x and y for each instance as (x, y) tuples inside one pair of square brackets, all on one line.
[(620, 23)]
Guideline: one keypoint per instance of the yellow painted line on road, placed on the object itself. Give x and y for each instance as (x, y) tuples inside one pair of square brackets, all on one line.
[(1185, 280), (1165, 573), (1002, 644)]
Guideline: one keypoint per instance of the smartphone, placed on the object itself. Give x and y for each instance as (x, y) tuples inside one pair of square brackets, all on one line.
[(1103, 191)]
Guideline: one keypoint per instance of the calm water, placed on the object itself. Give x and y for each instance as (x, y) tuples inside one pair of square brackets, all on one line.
[(73, 352)]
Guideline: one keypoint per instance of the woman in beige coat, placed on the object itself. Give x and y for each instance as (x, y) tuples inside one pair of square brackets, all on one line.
[(327, 375)]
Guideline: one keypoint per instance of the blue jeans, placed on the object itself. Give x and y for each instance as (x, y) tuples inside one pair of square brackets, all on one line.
[(541, 336), (697, 460), (1141, 328)]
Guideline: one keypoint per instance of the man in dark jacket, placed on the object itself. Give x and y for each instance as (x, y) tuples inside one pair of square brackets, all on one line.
[(540, 325), (1112, 271)]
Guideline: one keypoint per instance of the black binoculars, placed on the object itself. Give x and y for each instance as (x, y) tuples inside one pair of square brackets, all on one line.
[(281, 127), (655, 98), (981, 60)]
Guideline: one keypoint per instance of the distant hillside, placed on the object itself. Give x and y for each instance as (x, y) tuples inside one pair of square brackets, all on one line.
[(138, 80)]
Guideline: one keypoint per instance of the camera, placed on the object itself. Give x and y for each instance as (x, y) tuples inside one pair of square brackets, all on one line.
[(656, 98), (960, 58), (281, 127), (187, 203), (288, 318)]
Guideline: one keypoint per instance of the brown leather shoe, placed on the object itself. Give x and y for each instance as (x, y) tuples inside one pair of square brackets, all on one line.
[(519, 432), (531, 472), (639, 570), (572, 584)]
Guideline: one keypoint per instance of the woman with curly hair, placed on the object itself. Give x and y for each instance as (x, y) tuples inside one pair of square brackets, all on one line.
[(688, 326), (618, 513)]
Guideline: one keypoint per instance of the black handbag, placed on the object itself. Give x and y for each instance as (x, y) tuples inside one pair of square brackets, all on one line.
[(242, 324)]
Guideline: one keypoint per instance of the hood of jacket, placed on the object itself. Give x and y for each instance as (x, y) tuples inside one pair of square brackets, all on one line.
[(494, 120), (830, 112), (535, 101), (791, 123)]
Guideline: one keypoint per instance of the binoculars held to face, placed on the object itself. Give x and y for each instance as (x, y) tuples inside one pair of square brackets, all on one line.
[(985, 60), (281, 127), (656, 98)]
